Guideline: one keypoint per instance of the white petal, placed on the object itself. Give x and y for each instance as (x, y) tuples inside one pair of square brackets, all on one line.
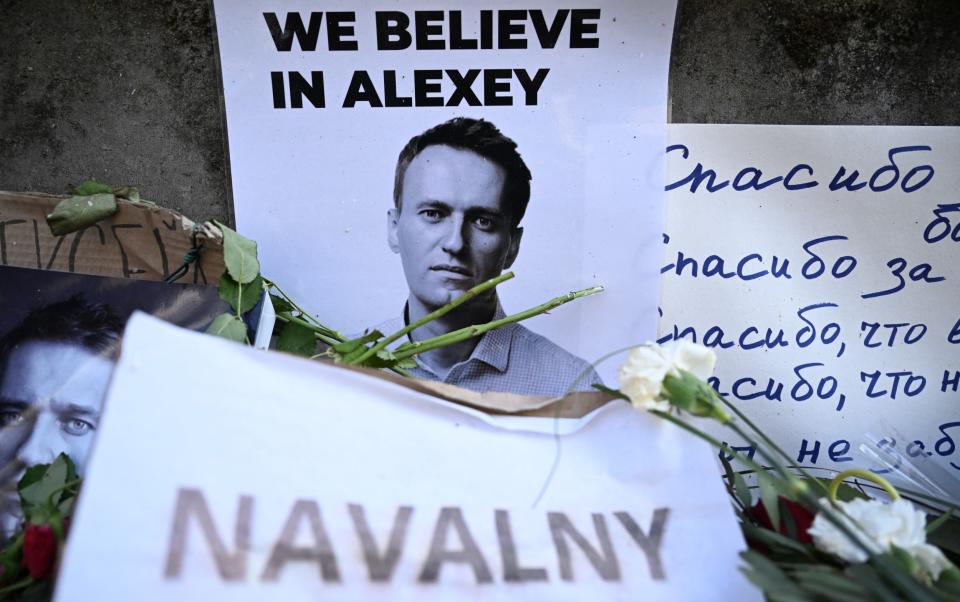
[(694, 358), (931, 559)]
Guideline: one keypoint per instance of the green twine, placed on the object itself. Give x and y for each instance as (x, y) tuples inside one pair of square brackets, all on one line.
[(189, 257)]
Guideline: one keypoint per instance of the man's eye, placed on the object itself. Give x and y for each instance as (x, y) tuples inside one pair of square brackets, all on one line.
[(484, 223), (10, 418), (432, 215), (76, 427)]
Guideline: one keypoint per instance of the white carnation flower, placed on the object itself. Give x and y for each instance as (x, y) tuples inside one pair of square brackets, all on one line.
[(881, 525), (641, 376), (692, 357)]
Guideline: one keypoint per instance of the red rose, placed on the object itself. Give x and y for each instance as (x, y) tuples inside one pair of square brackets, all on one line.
[(39, 551), (802, 518)]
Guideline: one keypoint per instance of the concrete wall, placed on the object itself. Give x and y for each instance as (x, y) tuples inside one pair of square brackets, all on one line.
[(128, 91), (124, 91), (855, 62)]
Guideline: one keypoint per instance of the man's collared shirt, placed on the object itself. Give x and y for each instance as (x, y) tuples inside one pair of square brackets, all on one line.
[(511, 359)]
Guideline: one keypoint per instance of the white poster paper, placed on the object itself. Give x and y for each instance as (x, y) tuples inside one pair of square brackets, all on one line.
[(256, 475), (822, 264), (580, 88)]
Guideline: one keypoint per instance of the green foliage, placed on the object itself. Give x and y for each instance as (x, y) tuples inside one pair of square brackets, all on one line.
[(769, 577), (239, 255), (241, 297), (692, 395), (777, 544), (353, 348), (770, 496), (47, 493), (230, 327), (78, 212), (89, 187), (281, 305), (742, 490), (297, 339), (131, 194), (42, 487)]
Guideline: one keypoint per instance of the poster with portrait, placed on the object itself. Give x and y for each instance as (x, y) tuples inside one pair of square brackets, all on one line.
[(59, 340), (484, 99)]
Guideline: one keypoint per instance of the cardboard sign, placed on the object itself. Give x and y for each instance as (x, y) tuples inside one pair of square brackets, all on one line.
[(139, 242), (280, 478), (822, 265), (320, 104)]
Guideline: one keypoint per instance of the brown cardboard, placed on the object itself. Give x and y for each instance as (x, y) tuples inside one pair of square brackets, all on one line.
[(138, 241), (574, 405)]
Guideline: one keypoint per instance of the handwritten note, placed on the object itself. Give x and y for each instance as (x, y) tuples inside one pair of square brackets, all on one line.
[(138, 242), (822, 265)]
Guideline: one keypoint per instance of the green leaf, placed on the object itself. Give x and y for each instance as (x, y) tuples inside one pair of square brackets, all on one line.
[(406, 363), (353, 345), (32, 475), (742, 490), (36, 492), (65, 507), (905, 559), (766, 575), (870, 579), (230, 327), (611, 392), (128, 192), (281, 305), (88, 187), (297, 339), (78, 212), (241, 297), (239, 255), (381, 359), (772, 539), (830, 585), (11, 557), (770, 498)]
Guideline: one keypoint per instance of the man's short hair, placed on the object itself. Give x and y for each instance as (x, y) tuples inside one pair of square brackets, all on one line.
[(483, 138), (94, 326)]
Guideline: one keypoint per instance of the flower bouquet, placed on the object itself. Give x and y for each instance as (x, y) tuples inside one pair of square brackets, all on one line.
[(810, 538)]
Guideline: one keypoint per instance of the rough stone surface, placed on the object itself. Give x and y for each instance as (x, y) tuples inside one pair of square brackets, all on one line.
[(128, 92), (855, 62)]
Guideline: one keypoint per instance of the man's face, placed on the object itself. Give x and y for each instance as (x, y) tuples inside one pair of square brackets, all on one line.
[(451, 231), (50, 398)]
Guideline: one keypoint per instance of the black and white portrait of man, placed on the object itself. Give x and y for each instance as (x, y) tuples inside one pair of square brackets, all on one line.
[(54, 369), (59, 340), (461, 189), (563, 187)]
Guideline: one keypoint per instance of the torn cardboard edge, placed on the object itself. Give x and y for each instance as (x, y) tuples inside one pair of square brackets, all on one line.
[(139, 241), (576, 404), (147, 242)]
